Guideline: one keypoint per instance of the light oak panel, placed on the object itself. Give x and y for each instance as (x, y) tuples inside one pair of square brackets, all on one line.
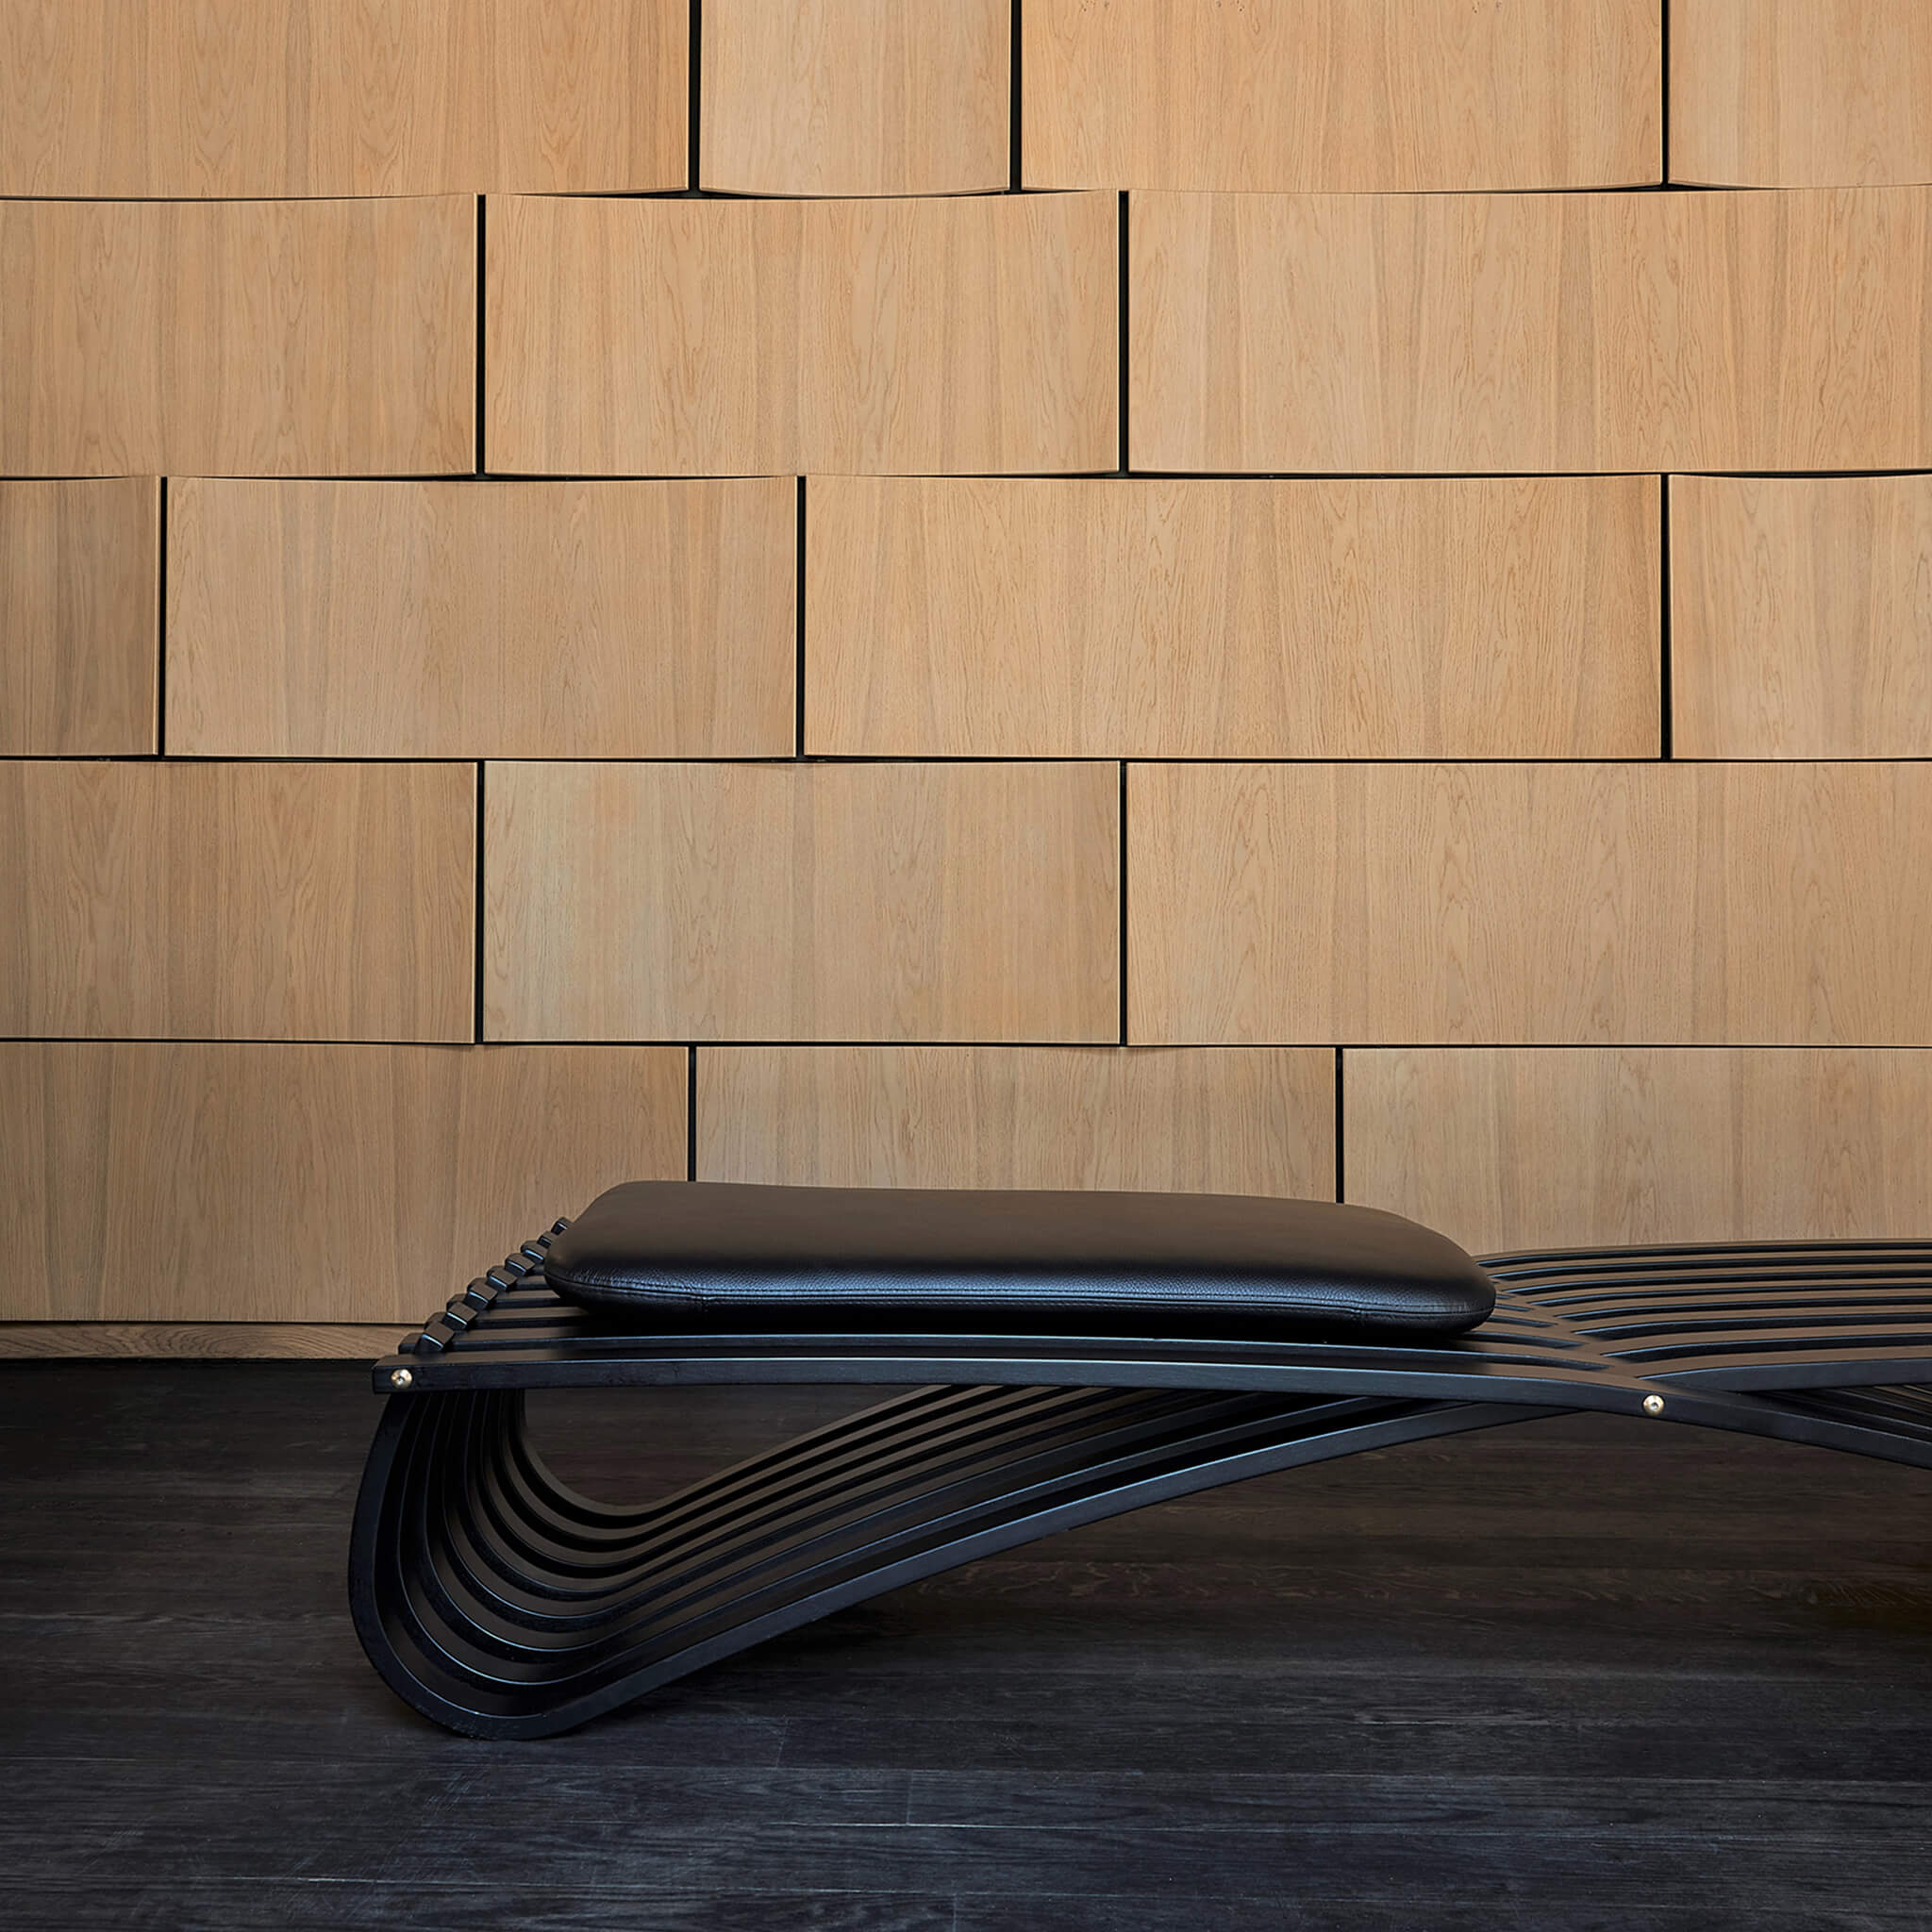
[(1796, 94), (1568, 332), (1342, 94), (1801, 617), (182, 98), (729, 336), (466, 620), (1570, 1148), (221, 901), (197, 1340), (258, 1183), (1561, 904), (1040, 618), (252, 338), (79, 609), (801, 902), (856, 96), (1227, 1122)]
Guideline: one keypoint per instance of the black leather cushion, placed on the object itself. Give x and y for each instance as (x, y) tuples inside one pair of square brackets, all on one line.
[(768, 1258)]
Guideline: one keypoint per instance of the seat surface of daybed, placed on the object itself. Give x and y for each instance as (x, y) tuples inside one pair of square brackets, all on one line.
[(1196, 1264)]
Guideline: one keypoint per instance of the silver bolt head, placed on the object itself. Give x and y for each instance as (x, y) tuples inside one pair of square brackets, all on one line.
[(401, 1378), (1653, 1405)]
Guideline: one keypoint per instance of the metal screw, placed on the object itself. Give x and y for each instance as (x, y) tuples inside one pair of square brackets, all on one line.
[(1653, 1405), (401, 1378)]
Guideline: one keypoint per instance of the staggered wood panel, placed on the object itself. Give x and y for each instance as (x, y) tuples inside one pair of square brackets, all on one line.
[(482, 620), (1561, 904), (856, 96), (1567, 1147), (219, 902), (237, 1183), (681, 338), (1796, 94), (79, 611), (1342, 96), (1537, 332), (252, 338), (1260, 1122), (177, 98), (801, 902), (1206, 619), (1800, 620)]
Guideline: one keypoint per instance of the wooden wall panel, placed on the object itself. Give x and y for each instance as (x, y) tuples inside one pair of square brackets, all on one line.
[(235, 1183), (199, 1341), (467, 620), (79, 614), (801, 902), (1801, 616), (1563, 903), (1039, 618), (1795, 93), (213, 901), (856, 96), (1341, 96), (1216, 1122), (181, 98), (1568, 332), (1563, 1148), (258, 337), (725, 337)]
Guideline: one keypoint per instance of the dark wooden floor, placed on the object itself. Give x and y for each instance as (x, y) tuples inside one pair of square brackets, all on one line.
[(1571, 1675)]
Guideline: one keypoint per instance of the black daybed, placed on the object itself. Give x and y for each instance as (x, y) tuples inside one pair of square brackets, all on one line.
[(1080, 1355)]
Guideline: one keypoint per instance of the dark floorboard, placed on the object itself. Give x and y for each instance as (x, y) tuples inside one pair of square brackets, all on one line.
[(1572, 1675)]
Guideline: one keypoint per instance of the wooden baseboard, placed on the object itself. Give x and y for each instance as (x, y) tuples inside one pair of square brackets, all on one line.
[(199, 1341)]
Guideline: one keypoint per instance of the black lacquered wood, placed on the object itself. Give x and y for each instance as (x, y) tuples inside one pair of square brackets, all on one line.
[(501, 1603)]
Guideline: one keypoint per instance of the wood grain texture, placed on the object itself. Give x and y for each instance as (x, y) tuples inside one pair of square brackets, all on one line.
[(1798, 93), (239, 1183), (1801, 617), (221, 901), (1215, 1122), (465, 620), (1490, 904), (1568, 332), (680, 337), (856, 96), (79, 616), (1567, 1147), (1041, 618), (183, 98), (253, 338), (1345, 95), (225, 1341), (801, 902)]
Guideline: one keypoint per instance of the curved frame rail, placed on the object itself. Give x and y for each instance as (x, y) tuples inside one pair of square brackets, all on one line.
[(501, 1603)]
